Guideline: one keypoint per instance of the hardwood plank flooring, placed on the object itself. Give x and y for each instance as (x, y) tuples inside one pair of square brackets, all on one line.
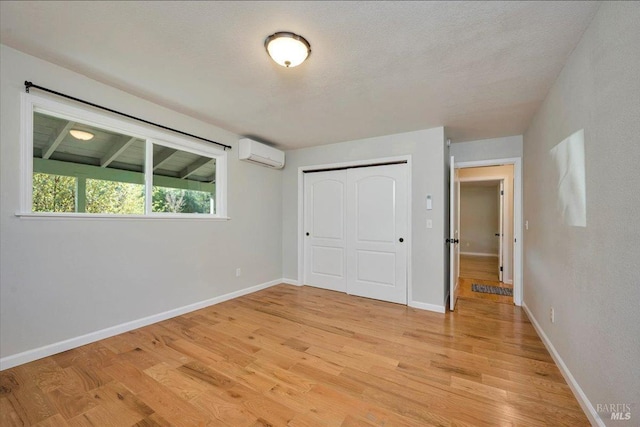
[(483, 271), (301, 356), (479, 267), (466, 291)]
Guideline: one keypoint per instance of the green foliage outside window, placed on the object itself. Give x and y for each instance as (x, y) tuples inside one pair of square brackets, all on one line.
[(113, 197), (181, 201), (54, 193)]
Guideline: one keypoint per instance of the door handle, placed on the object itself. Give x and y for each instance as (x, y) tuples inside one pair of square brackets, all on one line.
[(497, 234)]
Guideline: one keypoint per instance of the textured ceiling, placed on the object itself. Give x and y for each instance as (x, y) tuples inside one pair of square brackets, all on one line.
[(479, 68)]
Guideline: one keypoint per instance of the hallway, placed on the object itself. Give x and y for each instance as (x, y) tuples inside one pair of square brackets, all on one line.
[(482, 270)]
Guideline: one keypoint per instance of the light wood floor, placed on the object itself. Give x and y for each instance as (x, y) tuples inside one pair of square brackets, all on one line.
[(479, 267), (300, 356), (483, 271)]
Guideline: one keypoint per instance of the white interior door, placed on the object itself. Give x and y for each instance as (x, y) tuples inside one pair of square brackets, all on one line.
[(324, 225), (501, 231), (377, 240), (454, 233)]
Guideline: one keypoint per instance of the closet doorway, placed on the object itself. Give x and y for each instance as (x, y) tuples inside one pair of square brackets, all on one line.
[(356, 230)]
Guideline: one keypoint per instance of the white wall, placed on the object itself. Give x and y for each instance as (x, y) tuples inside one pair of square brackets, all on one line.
[(504, 172), (591, 275), (487, 149), (479, 219), (62, 278), (428, 245)]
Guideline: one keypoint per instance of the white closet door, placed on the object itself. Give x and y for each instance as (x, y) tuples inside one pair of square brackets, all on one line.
[(377, 240), (325, 239)]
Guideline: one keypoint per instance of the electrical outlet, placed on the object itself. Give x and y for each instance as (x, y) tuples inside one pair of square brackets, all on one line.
[(238, 272), (552, 315), (429, 223)]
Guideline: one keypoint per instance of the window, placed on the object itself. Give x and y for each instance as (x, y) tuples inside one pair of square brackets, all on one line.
[(79, 162), (102, 174), (183, 182)]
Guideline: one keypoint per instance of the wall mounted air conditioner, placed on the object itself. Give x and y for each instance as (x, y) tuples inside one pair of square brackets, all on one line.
[(261, 154)]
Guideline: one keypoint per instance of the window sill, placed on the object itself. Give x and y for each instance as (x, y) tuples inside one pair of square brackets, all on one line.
[(188, 217)]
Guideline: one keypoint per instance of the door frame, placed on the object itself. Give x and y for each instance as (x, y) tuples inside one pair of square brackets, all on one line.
[(454, 234), (303, 169), (517, 216), (500, 179), (501, 232)]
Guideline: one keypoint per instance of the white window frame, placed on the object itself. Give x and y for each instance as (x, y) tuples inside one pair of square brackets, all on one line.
[(31, 103)]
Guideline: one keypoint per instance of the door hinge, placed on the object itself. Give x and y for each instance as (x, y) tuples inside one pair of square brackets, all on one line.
[(500, 268)]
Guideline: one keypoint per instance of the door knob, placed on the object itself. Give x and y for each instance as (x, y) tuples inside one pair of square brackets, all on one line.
[(307, 233), (401, 240)]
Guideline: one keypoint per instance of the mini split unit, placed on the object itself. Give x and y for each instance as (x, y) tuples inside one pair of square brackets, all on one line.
[(260, 154)]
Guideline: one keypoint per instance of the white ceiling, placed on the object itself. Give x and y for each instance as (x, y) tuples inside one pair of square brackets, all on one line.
[(479, 68)]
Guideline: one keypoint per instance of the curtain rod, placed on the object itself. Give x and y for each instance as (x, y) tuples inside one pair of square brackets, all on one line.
[(28, 85)]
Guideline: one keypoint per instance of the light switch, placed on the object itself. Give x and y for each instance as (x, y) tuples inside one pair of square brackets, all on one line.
[(429, 223), (429, 204)]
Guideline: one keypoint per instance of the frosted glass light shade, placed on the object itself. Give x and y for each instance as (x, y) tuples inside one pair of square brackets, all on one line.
[(81, 135), (287, 49)]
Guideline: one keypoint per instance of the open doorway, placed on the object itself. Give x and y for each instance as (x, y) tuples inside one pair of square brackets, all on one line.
[(486, 233)]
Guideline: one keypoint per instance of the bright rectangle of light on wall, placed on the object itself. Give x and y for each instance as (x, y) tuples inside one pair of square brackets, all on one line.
[(569, 159)]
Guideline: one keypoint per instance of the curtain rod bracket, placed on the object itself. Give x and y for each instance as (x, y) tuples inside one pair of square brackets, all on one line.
[(28, 85)]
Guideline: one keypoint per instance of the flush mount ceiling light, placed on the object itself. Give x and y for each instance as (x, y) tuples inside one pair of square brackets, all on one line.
[(287, 49), (81, 135)]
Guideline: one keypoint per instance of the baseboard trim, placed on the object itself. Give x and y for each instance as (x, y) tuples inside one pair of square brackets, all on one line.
[(50, 349), (584, 402), (508, 282), (291, 282), (479, 254), (429, 307)]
